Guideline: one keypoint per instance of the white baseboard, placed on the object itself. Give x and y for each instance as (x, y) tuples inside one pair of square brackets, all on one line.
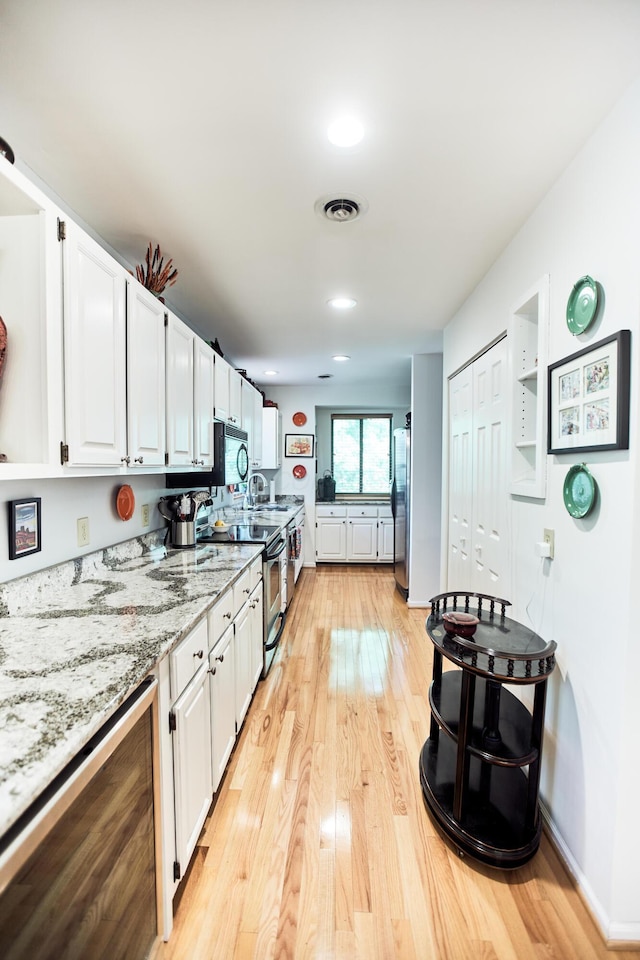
[(626, 933)]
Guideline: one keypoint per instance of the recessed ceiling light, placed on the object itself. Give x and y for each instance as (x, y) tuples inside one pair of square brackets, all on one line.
[(342, 303), (345, 132), (341, 358), (271, 373)]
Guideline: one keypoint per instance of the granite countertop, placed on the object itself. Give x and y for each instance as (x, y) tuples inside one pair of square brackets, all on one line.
[(78, 638)]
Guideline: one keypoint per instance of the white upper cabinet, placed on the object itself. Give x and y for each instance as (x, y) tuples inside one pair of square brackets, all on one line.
[(180, 349), (235, 398), (203, 396), (257, 429), (221, 403), (95, 352), (247, 408), (253, 426), (31, 396), (145, 377), (271, 429)]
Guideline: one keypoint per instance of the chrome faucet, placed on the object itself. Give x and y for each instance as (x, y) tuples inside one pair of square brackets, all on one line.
[(250, 495)]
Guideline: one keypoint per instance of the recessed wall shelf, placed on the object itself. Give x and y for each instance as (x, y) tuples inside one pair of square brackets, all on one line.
[(527, 342)]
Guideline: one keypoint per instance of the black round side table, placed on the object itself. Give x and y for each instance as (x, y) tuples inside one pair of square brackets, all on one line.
[(480, 781)]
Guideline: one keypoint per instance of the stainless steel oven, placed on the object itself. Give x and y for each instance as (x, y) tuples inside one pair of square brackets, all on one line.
[(274, 614), (275, 545)]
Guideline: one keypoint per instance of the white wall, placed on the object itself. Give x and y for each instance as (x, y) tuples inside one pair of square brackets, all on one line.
[(426, 482), (588, 224), (67, 499)]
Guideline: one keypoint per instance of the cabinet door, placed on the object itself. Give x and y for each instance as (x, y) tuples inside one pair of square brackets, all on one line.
[(385, 540), (223, 704), (362, 539), (257, 634), (146, 433), (95, 352), (243, 663), (235, 398), (203, 402), (179, 392), (246, 392), (257, 429), (331, 539), (192, 764), (221, 392), (271, 421)]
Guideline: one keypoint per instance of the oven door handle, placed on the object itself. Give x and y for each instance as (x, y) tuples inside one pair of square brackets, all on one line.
[(276, 640), (272, 556)]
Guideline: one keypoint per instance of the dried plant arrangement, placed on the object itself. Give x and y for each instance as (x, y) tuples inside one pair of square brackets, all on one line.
[(154, 273)]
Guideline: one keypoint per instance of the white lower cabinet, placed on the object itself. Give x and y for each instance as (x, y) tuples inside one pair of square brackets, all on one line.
[(385, 539), (357, 534), (257, 629), (362, 539), (244, 663), (205, 687), (223, 703), (331, 533), (191, 764)]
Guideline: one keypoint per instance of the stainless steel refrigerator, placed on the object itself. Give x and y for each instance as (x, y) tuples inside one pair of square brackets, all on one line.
[(400, 501)]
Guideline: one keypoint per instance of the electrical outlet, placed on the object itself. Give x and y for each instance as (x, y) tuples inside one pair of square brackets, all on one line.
[(145, 514), (83, 532), (549, 537)]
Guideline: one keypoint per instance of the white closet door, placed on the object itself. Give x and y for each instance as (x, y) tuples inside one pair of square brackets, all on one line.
[(478, 542), (490, 498), (460, 479)]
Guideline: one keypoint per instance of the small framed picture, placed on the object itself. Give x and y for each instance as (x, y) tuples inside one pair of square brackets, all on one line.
[(589, 398), (24, 527), (298, 445)]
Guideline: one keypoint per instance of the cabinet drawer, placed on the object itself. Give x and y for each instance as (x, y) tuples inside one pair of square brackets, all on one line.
[(362, 512), (241, 591), (384, 511), (220, 617), (331, 511), (187, 657), (256, 572)]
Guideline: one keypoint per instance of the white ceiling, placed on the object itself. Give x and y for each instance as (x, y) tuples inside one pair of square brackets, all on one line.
[(201, 125)]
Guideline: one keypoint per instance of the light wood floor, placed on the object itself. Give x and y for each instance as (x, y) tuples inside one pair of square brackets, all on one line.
[(319, 845)]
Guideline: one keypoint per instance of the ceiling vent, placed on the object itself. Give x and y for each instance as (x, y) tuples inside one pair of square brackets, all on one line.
[(341, 208)]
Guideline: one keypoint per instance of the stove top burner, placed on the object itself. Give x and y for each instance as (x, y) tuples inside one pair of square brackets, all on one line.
[(240, 533)]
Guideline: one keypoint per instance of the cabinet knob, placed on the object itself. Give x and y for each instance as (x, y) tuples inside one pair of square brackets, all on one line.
[(220, 658), (227, 615), (212, 671), (139, 460), (199, 654), (247, 590), (126, 460)]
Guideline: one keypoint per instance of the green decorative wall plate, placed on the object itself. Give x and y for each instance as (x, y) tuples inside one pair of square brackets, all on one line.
[(579, 491), (582, 305)]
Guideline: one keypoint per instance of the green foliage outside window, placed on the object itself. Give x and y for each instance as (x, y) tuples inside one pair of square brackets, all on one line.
[(361, 453)]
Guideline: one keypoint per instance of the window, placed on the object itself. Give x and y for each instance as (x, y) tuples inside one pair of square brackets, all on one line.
[(361, 452)]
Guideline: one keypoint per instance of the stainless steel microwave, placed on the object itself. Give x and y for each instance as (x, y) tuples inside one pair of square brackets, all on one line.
[(230, 462)]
